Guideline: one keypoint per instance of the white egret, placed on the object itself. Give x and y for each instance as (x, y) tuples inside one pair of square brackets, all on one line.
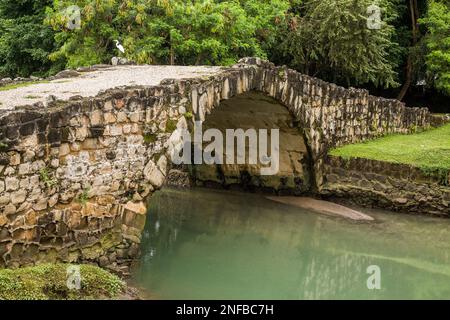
[(119, 46)]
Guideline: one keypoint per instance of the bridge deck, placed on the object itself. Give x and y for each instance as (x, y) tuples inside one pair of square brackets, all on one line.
[(91, 83)]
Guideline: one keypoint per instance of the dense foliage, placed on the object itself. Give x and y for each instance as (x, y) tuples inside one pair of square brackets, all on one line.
[(25, 42), (163, 32), (437, 41), (328, 38)]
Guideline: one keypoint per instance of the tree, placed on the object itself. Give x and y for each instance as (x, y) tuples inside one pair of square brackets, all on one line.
[(93, 42), (331, 39), (166, 32), (437, 40), (24, 41), (201, 32), (415, 35)]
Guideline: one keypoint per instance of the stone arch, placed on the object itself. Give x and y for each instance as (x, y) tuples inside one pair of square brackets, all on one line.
[(328, 115), (254, 111)]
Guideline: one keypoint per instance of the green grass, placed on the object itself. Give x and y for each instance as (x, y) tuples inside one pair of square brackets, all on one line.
[(45, 177), (49, 282), (83, 198), (428, 150), (20, 85)]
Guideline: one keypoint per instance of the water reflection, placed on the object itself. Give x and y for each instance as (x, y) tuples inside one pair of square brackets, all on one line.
[(219, 245)]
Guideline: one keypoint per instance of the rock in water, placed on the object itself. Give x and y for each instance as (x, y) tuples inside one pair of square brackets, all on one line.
[(324, 207)]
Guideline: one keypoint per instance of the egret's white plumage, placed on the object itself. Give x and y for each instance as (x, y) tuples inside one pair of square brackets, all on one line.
[(119, 46)]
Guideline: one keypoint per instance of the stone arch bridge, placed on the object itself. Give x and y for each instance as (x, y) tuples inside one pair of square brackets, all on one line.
[(74, 174)]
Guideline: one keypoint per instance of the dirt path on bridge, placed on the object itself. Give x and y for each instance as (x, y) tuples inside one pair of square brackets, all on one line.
[(91, 83)]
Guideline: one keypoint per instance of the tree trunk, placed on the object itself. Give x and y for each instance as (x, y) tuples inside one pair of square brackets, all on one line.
[(409, 68), (408, 79), (199, 59), (172, 55), (171, 51), (416, 11)]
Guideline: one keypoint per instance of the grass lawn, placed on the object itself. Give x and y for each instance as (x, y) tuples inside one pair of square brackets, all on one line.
[(21, 85), (427, 150)]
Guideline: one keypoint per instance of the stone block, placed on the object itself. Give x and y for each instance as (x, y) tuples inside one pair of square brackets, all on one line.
[(5, 199), (109, 118), (153, 175), (3, 220), (11, 184), (135, 207), (122, 117), (24, 169), (113, 131), (103, 261), (27, 129), (14, 159), (18, 197), (96, 118), (9, 209), (81, 133), (64, 149), (16, 251)]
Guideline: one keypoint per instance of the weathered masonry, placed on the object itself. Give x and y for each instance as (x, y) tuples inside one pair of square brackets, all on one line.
[(74, 175), (392, 186)]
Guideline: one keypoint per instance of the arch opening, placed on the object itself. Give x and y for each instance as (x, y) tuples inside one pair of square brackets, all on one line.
[(255, 110)]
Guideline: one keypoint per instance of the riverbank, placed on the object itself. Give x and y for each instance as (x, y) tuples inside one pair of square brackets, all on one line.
[(408, 173), (60, 282)]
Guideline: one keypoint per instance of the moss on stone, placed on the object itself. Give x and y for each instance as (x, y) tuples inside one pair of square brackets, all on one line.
[(110, 240), (93, 252), (171, 125), (49, 282), (83, 198), (150, 138), (3, 146)]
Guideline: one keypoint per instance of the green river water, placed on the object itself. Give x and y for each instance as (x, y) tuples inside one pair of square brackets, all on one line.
[(207, 244)]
